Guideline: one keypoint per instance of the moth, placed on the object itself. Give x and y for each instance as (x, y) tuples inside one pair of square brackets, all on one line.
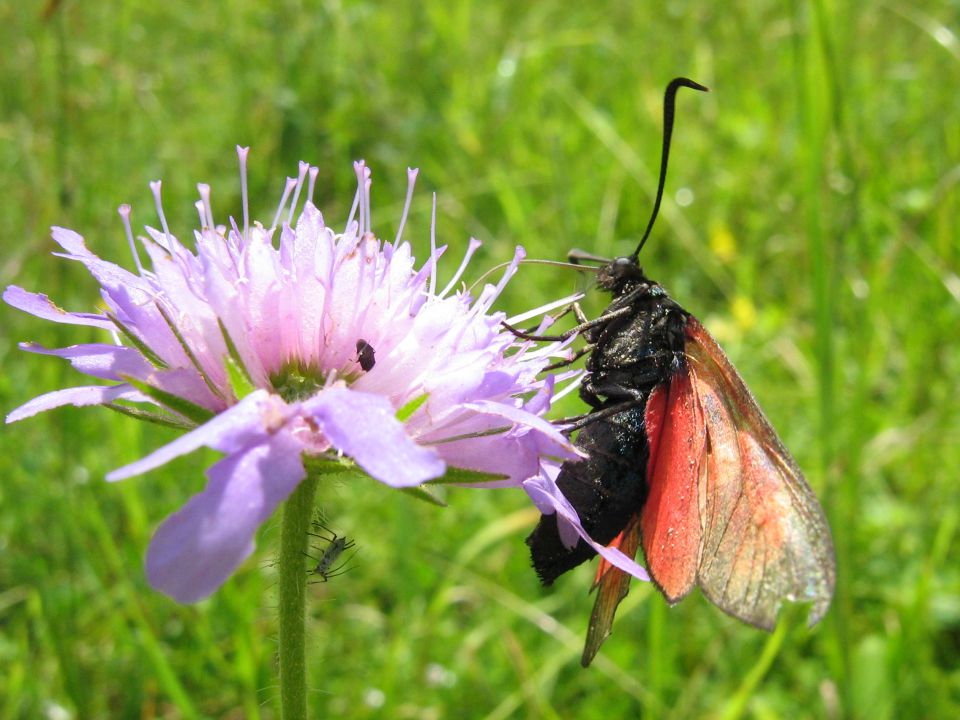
[(680, 462)]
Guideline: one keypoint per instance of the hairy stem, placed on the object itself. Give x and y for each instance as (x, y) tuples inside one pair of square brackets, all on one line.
[(297, 514)]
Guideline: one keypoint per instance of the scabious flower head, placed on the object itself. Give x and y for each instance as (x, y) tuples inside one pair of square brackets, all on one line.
[(292, 344)]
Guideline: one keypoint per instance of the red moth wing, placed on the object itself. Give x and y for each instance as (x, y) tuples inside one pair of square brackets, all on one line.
[(612, 585), (671, 521), (764, 538)]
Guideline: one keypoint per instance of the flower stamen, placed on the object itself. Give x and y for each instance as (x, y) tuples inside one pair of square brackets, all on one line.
[(155, 187), (411, 182), (301, 176), (242, 153), (288, 187), (207, 214), (124, 211), (314, 171)]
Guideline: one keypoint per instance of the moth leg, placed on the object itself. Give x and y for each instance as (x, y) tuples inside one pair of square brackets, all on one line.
[(576, 330), (563, 313), (576, 356), (580, 421), (578, 313), (590, 393)]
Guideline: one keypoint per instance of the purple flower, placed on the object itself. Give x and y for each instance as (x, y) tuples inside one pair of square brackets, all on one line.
[(294, 343)]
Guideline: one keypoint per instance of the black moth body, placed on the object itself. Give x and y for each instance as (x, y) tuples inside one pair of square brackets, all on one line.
[(681, 462), (638, 344)]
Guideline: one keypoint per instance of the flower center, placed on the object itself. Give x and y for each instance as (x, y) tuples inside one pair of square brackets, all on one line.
[(295, 382)]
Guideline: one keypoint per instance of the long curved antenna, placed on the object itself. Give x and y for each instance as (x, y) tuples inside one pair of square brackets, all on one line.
[(534, 261), (669, 102)]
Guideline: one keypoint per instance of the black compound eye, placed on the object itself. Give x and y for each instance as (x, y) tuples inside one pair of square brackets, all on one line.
[(624, 267), (366, 355)]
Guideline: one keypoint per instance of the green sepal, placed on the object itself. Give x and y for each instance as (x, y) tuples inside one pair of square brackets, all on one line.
[(238, 378), (344, 469), (191, 411), (407, 411), (156, 418), (421, 493), (330, 465), (463, 476), (144, 349), (240, 381)]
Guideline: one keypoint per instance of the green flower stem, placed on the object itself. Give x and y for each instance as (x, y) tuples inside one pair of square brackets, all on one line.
[(297, 514)]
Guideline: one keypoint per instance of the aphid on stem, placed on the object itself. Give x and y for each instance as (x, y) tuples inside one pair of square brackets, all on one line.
[(336, 546)]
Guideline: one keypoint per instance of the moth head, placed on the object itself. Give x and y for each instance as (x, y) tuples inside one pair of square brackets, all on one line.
[(619, 274)]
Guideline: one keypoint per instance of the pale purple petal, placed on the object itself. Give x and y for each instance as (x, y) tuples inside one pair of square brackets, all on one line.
[(78, 396), (249, 421), (500, 454), (540, 402), (108, 274), (549, 437), (197, 548), (545, 494), (548, 499), (40, 305), (364, 427), (108, 362), (186, 383)]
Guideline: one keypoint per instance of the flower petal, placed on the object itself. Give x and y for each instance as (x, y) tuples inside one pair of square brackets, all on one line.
[(550, 439), (197, 548), (548, 498), (108, 362), (41, 306), (248, 422), (364, 427), (78, 396)]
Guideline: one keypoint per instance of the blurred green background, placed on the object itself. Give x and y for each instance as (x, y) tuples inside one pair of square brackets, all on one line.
[(809, 222)]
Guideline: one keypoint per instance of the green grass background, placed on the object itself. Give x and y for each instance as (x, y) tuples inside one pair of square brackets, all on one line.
[(819, 247)]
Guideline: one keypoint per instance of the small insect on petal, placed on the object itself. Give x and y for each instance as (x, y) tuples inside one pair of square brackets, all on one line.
[(366, 355)]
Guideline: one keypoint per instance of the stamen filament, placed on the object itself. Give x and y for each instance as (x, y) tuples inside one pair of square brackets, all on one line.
[(242, 153), (314, 171), (411, 182), (301, 176), (287, 189), (433, 247), (204, 191), (125, 211), (155, 187), (471, 249), (543, 309)]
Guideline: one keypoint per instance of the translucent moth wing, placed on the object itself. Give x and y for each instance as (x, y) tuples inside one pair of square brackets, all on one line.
[(765, 537), (728, 508)]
